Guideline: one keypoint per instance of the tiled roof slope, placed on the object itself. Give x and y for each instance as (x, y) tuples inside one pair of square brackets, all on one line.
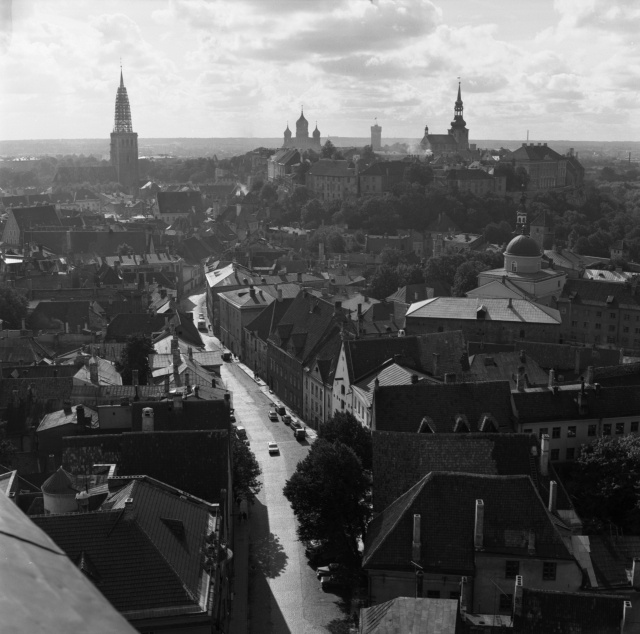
[(406, 615), (124, 325), (330, 167), (597, 293), (195, 415), (139, 563), (504, 366), (535, 153), (269, 318), (512, 510), (386, 168), (402, 408), (612, 558), (48, 315), (580, 613), (543, 405), (401, 460), (30, 217), (468, 308), (192, 461), (179, 202)]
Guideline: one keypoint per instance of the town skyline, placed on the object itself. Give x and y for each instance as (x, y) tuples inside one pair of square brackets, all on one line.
[(562, 69)]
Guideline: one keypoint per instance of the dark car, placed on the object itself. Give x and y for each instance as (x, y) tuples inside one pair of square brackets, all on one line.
[(281, 410), (226, 356), (332, 582), (328, 570), (286, 419)]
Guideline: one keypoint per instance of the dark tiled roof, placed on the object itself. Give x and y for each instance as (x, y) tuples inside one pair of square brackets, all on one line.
[(547, 611), (330, 167), (105, 243), (534, 152), (192, 461), (179, 202), (31, 217), (54, 315), (51, 391), (504, 366), (401, 460), (512, 510), (402, 408), (612, 558), (385, 168), (597, 293), (85, 174), (543, 405), (22, 349), (137, 561), (124, 325), (269, 318), (195, 415), (412, 293), (467, 175)]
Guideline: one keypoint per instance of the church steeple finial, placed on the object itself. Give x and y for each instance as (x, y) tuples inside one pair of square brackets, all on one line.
[(122, 119)]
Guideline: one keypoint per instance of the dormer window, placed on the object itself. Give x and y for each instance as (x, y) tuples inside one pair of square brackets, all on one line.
[(488, 424), (461, 425)]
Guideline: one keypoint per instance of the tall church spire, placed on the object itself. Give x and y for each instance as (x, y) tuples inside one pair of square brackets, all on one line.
[(458, 105), (122, 119)]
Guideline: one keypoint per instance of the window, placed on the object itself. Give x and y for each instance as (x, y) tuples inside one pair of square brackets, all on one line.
[(433, 594), (555, 454), (342, 390), (585, 324), (511, 569), (612, 315), (599, 313), (619, 428), (598, 326), (574, 324), (625, 329), (555, 432), (571, 453), (625, 318), (591, 430), (612, 328), (634, 426), (543, 431), (454, 595), (606, 429), (514, 267), (571, 431), (549, 571), (506, 602)]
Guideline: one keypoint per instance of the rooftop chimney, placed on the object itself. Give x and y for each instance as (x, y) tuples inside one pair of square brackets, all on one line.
[(279, 294), (148, 419), (590, 375), (166, 384), (414, 378), (544, 455), (552, 378), (134, 377), (415, 545), (177, 402), (80, 417), (450, 377), (337, 307), (436, 364), (531, 547), (523, 356), (553, 496), (478, 532)]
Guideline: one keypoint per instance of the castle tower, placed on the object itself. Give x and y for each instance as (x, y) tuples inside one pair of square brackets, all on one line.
[(316, 138), (287, 137), (458, 126), (376, 137), (302, 127), (124, 142)]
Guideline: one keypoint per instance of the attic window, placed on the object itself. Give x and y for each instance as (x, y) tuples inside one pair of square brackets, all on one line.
[(610, 299), (426, 426), (175, 526), (461, 426), (488, 424), (481, 313)]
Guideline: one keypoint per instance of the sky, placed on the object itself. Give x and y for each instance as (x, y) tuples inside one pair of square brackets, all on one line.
[(562, 69)]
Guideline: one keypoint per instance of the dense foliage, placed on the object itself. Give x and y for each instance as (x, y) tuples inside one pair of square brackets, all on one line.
[(135, 356), (604, 484), (344, 427), (13, 307), (329, 493), (246, 471)]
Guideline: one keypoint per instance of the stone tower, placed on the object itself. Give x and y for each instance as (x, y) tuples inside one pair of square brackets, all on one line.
[(376, 137), (521, 216), (124, 142), (287, 137), (316, 138), (458, 126)]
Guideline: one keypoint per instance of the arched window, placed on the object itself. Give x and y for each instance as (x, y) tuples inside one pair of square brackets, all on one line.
[(514, 267)]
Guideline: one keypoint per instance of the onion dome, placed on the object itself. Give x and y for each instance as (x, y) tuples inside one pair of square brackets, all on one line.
[(523, 246), (316, 132)]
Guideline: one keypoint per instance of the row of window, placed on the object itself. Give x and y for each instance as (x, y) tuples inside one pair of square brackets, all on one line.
[(512, 570), (592, 430)]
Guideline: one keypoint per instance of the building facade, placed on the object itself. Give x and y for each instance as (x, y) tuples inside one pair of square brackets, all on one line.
[(332, 179)]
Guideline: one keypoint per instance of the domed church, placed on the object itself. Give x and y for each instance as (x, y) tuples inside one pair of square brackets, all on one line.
[(302, 141), (522, 276)]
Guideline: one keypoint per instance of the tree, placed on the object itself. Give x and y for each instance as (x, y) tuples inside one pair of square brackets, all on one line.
[(124, 249), (7, 452), (246, 471), (328, 150), (466, 277), (330, 496), (344, 427), (605, 482), (135, 356), (312, 213), (13, 307), (384, 282)]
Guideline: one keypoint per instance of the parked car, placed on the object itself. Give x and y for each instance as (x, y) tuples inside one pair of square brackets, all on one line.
[(286, 419), (328, 570), (273, 448), (202, 325), (281, 410), (331, 582), (201, 316), (273, 415), (226, 356)]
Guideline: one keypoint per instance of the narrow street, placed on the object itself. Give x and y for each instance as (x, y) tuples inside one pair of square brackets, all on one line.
[(285, 596)]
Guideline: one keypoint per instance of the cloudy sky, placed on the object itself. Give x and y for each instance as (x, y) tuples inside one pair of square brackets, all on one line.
[(563, 69)]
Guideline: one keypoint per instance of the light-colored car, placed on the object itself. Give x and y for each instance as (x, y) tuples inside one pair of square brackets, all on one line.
[(273, 415), (273, 448)]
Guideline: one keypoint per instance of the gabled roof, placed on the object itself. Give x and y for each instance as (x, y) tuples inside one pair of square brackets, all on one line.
[(194, 415), (60, 418), (412, 293), (385, 168), (402, 408), (140, 562), (513, 513), (389, 373), (607, 294), (504, 366), (331, 167), (533, 152), (124, 325), (269, 318), (32, 217), (401, 460), (487, 309), (54, 315), (612, 558)]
